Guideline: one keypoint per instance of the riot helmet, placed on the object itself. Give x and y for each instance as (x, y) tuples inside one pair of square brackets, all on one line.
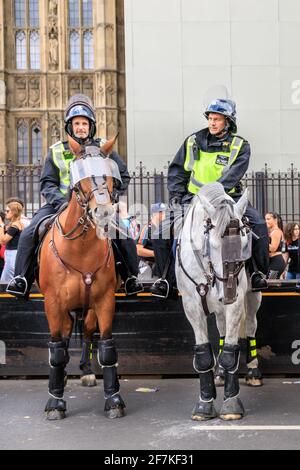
[(225, 107), (80, 105)]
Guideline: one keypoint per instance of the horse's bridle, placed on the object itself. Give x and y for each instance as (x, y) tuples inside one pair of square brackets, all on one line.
[(230, 269)]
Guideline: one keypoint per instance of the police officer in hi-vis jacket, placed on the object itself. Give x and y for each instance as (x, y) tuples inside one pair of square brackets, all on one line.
[(80, 125), (215, 153)]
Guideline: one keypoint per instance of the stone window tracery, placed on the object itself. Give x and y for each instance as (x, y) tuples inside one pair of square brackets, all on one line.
[(27, 38), (81, 41)]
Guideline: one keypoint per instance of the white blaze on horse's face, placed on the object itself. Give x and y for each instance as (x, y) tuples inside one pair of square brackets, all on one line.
[(94, 174)]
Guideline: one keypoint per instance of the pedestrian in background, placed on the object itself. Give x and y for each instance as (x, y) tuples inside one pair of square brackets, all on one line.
[(9, 236), (291, 235), (276, 246)]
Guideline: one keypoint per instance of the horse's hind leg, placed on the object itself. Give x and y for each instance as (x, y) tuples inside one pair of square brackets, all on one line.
[(88, 378), (108, 360), (254, 376), (58, 359)]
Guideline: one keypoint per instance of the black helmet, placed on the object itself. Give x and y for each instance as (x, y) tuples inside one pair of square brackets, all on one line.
[(225, 107), (80, 105)]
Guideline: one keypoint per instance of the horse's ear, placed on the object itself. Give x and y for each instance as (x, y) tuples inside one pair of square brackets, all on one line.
[(209, 208), (108, 146), (241, 205)]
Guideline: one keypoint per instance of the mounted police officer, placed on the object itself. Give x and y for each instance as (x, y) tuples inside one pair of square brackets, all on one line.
[(212, 154), (80, 125)]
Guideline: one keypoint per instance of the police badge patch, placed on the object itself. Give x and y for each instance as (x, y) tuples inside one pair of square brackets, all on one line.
[(222, 160)]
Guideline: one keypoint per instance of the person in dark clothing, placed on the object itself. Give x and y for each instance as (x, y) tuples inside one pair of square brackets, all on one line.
[(292, 237), (212, 154), (80, 125)]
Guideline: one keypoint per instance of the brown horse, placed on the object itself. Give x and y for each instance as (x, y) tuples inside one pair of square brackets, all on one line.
[(77, 271)]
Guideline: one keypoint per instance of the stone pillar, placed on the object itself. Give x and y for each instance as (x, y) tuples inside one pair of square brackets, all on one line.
[(2, 87), (110, 70)]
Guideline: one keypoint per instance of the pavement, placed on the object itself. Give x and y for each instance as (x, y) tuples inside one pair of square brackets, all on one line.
[(157, 417)]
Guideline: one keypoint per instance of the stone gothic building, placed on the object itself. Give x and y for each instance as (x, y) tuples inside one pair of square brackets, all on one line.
[(50, 50)]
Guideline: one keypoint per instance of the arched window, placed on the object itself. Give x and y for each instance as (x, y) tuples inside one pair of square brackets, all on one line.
[(81, 38), (36, 143), (35, 51), (34, 19), (88, 50), (21, 52), (74, 12), (27, 34), (87, 13), (20, 13), (75, 50), (23, 150)]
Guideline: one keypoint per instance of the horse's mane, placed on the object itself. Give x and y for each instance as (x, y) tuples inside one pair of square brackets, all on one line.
[(214, 200)]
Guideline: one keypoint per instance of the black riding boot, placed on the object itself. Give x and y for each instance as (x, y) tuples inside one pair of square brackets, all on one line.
[(127, 264)]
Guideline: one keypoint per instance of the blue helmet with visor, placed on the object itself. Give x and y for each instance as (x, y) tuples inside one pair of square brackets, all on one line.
[(80, 105), (225, 107)]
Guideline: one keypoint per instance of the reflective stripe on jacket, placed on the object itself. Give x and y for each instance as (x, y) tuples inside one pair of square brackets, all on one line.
[(208, 167)]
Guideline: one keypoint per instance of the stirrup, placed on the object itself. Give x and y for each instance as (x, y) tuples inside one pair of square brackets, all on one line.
[(168, 288), (15, 292)]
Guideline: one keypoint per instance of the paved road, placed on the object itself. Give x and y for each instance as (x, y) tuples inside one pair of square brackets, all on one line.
[(155, 421)]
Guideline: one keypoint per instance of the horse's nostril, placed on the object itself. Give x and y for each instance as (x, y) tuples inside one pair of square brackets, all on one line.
[(105, 214)]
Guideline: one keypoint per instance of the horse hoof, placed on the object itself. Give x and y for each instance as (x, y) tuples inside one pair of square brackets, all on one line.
[(219, 381), (55, 415), (204, 411), (55, 409), (114, 407), (254, 378), (88, 380), (254, 382), (232, 409), (113, 413)]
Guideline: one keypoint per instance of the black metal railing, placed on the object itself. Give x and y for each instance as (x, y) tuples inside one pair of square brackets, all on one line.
[(268, 191)]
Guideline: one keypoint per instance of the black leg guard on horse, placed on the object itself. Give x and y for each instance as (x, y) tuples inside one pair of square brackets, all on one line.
[(107, 359), (59, 358), (204, 363), (254, 375), (229, 360)]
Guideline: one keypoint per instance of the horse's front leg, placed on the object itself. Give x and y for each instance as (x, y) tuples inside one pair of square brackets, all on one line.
[(108, 360), (88, 378), (232, 407), (203, 361), (60, 326), (252, 304), (221, 325)]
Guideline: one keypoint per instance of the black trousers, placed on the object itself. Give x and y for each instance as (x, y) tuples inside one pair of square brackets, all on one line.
[(125, 253), (260, 248)]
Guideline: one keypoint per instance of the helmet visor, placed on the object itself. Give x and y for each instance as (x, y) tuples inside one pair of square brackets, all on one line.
[(82, 111)]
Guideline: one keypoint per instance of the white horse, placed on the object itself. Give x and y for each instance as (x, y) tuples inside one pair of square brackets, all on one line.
[(210, 269)]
